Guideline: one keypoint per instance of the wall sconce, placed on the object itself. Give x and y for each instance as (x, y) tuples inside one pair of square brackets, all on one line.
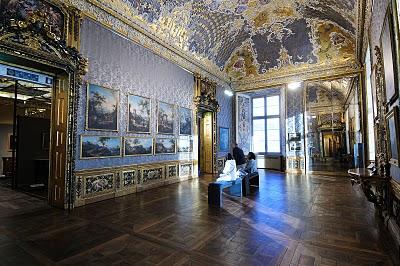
[(294, 85), (228, 92)]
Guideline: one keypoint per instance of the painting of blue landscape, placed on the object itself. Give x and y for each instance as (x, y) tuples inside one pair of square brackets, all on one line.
[(165, 146), (185, 121), (139, 114), (138, 146), (100, 147), (102, 108)]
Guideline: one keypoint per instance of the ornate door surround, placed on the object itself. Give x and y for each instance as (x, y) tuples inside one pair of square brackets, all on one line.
[(206, 104), (46, 38)]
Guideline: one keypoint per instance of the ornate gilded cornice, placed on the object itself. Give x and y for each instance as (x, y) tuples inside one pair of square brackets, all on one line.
[(121, 18), (138, 34), (307, 74)]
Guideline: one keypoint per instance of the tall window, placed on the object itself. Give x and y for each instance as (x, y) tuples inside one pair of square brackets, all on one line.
[(266, 124), (370, 107)]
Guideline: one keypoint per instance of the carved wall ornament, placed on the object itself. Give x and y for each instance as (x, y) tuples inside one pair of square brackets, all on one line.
[(380, 123), (47, 32), (244, 39)]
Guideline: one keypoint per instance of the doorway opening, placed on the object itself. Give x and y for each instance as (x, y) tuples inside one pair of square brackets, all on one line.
[(25, 125), (329, 140), (206, 143)]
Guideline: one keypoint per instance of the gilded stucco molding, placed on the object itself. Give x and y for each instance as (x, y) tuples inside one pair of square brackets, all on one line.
[(157, 28), (380, 126), (138, 34), (310, 73)]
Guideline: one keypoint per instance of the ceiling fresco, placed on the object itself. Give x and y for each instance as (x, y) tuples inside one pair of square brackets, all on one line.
[(249, 39), (322, 96)]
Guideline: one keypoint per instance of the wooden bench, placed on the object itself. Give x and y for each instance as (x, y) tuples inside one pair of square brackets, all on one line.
[(215, 190), (250, 180)]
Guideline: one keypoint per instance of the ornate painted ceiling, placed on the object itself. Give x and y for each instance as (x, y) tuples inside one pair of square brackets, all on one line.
[(328, 96), (249, 39)]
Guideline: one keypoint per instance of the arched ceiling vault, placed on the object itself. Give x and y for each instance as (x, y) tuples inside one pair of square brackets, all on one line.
[(247, 40)]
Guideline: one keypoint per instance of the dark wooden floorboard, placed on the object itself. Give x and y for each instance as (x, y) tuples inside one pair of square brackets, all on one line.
[(289, 220)]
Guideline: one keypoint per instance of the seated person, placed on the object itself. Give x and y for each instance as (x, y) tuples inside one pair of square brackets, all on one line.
[(251, 165), (229, 172)]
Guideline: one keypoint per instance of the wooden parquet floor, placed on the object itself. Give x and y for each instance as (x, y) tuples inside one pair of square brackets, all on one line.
[(290, 220)]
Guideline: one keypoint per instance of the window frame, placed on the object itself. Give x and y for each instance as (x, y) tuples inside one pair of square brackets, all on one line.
[(266, 117)]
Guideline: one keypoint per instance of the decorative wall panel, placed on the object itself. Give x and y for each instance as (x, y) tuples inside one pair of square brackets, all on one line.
[(120, 64), (185, 170), (129, 178), (172, 171), (225, 115), (295, 124), (243, 122), (103, 183), (98, 184)]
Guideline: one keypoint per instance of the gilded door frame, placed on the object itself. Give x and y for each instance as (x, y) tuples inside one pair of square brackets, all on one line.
[(205, 101), (28, 45)]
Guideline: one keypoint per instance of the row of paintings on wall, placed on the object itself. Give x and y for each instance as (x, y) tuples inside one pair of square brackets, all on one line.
[(390, 57), (102, 113), (105, 146)]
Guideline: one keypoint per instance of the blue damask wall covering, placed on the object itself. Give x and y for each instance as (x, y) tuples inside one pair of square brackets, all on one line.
[(130, 69)]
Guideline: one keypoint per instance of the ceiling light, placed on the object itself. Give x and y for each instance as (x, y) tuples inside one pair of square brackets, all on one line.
[(294, 85), (228, 92)]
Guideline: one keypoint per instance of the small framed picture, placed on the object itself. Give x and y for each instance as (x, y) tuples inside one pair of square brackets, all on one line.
[(101, 108), (164, 146), (223, 139), (185, 121), (185, 145), (393, 136), (137, 146), (165, 118), (93, 147), (389, 56)]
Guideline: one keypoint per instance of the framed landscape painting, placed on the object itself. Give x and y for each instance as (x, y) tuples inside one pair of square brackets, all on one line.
[(165, 118), (185, 145), (223, 139), (100, 147), (139, 118), (138, 146), (185, 121), (101, 108), (165, 146), (388, 45), (393, 135)]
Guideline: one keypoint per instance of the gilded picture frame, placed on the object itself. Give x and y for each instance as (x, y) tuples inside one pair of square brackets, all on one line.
[(373, 88), (161, 148), (185, 121), (92, 113), (224, 139), (94, 141), (185, 144), (393, 135), (389, 56), (148, 120), (165, 118), (142, 141)]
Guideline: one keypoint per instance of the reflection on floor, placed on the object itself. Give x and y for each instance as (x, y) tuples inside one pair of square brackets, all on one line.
[(291, 220), (39, 192), (329, 165)]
